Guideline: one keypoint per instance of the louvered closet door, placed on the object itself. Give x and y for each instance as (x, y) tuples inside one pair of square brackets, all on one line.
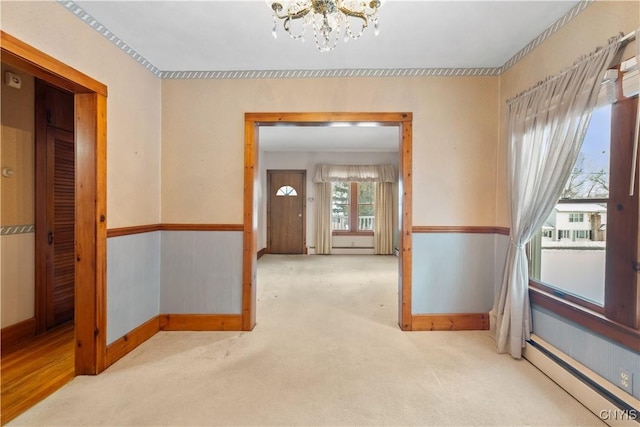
[(61, 198)]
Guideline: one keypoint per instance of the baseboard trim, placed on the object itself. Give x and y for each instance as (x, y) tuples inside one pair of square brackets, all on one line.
[(460, 229), (121, 347), (262, 252), (450, 322), (14, 334), (612, 405), (200, 322)]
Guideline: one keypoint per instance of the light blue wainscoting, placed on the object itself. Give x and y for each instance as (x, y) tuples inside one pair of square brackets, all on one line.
[(133, 282), (201, 272), (602, 356), (456, 272)]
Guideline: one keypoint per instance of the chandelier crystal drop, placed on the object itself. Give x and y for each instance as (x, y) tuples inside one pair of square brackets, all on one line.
[(327, 18)]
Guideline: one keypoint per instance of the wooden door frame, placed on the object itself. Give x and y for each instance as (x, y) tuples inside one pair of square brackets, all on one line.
[(304, 205), (90, 104), (252, 122)]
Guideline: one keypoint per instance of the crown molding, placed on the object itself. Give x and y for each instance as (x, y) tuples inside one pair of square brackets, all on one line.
[(546, 34), (338, 73), (104, 31), (72, 7)]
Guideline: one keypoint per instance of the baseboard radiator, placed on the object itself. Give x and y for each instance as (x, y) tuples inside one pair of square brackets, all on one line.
[(612, 405)]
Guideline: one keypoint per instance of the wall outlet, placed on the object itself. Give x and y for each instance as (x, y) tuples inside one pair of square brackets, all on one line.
[(626, 380)]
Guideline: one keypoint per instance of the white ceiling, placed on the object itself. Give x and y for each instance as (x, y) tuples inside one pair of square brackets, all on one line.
[(219, 35), (236, 35)]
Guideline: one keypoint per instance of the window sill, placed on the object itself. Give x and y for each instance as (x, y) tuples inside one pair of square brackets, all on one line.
[(590, 319), (352, 233)]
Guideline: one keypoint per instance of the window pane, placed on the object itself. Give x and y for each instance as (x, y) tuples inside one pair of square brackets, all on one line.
[(286, 190), (589, 178), (340, 206), (570, 250), (366, 197)]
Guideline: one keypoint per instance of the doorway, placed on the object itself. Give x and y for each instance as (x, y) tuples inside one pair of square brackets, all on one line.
[(253, 122), (286, 212), (90, 106)]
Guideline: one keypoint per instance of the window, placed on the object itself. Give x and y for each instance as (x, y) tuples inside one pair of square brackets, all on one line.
[(286, 190), (593, 262), (576, 217), (353, 207), (583, 234)]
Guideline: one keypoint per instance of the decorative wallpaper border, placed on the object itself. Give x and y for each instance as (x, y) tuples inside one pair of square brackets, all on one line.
[(115, 40), (356, 72), (7, 230), (546, 34), (72, 7)]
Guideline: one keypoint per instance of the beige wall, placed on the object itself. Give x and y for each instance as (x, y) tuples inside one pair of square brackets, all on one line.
[(17, 150), (590, 29), (133, 104), (133, 137), (455, 131), (17, 199)]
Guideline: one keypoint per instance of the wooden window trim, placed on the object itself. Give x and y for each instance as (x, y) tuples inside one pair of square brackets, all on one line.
[(353, 213), (559, 293), (353, 233), (619, 319), (592, 320)]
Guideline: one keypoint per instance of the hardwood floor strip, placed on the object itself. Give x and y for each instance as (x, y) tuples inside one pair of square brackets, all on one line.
[(15, 334), (451, 322), (200, 322), (34, 369)]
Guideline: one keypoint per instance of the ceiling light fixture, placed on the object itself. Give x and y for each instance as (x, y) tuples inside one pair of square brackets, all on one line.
[(329, 18)]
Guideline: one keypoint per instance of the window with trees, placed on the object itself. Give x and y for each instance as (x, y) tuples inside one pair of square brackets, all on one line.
[(597, 267), (352, 207)]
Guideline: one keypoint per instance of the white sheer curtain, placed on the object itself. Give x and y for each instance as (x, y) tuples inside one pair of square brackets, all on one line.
[(383, 223), (383, 175), (547, 125), (323, 218)]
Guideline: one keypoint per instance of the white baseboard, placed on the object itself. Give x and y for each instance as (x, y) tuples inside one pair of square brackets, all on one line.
[(596, 402)]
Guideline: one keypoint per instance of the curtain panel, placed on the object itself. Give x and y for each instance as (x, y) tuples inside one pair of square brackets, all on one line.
[(546, 127), (383, 222), (355, 173), (323, 218)]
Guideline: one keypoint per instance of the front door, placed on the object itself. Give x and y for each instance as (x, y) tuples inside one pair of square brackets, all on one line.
[(286, 212)]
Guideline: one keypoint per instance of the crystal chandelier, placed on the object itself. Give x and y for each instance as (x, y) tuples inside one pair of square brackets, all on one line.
[(328, 18)]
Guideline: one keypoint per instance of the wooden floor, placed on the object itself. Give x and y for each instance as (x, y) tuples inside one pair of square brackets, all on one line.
[(35, 369)]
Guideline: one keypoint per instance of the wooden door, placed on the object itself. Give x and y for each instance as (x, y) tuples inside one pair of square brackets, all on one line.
[(60, 238), (55, 207), (286, 212)]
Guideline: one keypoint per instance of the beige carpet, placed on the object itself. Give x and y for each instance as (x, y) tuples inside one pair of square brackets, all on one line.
[(326, 351)]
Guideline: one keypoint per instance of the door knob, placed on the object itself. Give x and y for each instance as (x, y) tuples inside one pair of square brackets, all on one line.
[(299, 215)]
